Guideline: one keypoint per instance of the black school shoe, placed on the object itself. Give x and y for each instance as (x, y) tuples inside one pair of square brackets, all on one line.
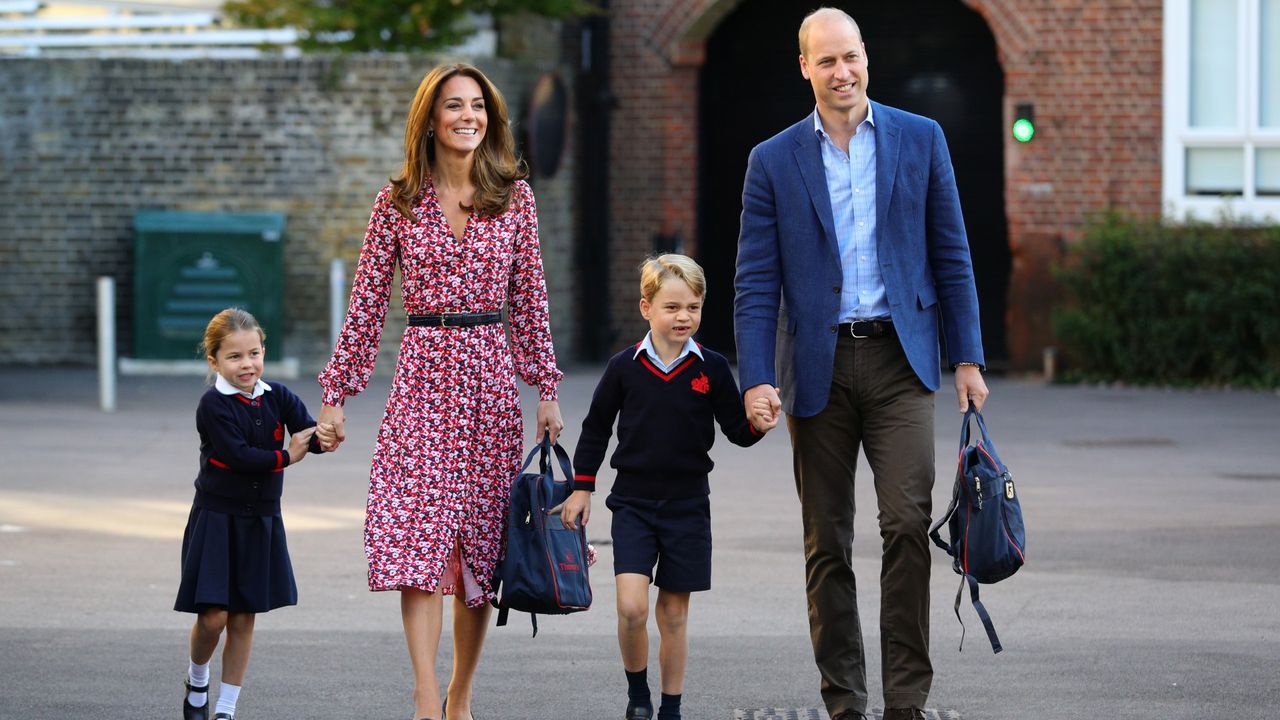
[(639, 712), (189, 711)]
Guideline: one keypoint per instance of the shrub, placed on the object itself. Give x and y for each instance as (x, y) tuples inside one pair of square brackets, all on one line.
[(1194, 304)]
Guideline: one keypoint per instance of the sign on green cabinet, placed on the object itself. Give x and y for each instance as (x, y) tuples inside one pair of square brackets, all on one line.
[(189, 265)]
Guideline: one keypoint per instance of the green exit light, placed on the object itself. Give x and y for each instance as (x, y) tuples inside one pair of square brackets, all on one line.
[(1024, 123), (1023, 130)]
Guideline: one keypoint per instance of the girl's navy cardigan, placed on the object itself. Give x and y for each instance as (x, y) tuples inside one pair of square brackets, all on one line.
[(242, 455)]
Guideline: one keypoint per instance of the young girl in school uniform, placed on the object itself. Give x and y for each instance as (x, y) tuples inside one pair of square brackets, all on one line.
[(235, 562)]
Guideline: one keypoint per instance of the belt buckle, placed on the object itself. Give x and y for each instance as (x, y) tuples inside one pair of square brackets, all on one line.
[(854, 333), (444, 320)]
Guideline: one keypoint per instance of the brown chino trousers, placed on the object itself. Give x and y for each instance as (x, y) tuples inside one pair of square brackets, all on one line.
[(878, 403)]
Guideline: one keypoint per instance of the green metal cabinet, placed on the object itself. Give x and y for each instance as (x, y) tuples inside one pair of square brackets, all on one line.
[(190, 265)]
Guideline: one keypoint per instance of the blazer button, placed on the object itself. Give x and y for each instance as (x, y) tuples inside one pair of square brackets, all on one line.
[(835, 329), (835, 290)]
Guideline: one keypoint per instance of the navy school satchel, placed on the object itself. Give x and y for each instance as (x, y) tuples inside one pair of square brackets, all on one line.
[(984, 521), (545, 568)]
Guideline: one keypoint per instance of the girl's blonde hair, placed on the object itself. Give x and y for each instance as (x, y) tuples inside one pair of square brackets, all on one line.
[(231, 320), (496, 167), (655, 271)]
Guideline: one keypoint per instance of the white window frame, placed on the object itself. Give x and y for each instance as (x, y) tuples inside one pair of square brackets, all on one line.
[(1247, 135)]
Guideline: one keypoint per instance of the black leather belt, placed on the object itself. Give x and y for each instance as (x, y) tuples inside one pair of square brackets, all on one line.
[(455, 319), (867, 328)]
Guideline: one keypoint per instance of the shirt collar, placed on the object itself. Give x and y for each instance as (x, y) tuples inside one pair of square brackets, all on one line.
[(817, 119), (647, 346), (226, 388)]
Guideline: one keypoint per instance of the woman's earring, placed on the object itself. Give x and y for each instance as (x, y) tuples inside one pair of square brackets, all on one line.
[(430, 132)]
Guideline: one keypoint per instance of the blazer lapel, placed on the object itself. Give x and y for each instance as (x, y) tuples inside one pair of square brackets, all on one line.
[(887, 137), (808, 154)]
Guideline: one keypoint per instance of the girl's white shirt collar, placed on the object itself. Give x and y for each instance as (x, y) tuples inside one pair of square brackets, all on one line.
[(226, 388)]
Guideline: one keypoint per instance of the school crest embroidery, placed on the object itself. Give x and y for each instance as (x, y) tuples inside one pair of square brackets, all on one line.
[(701, 384), (279, 433)]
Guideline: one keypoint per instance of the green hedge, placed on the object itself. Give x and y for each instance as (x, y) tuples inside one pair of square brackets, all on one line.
[(1194, 304)]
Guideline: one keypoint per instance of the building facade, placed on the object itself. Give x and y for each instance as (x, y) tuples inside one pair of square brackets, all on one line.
[(1146, 106)]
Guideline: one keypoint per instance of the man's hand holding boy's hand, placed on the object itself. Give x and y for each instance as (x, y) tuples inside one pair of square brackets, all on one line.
[(762, 415), (578, 504)]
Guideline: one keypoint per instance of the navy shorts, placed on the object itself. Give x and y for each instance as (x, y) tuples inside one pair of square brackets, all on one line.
[(674, 534)]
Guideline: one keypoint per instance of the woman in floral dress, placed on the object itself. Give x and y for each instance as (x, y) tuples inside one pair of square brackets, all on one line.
[(461, 223)]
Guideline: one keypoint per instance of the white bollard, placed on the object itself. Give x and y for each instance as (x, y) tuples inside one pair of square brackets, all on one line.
[(107, 343), (337, 299)]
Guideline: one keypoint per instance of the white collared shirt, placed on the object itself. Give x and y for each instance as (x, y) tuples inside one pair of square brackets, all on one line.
[(851, 184), (646, 345), (226, 388)]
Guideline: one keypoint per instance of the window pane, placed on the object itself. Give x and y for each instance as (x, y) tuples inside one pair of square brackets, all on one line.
[(1269, 171), (1215, 171), (1269, 73), (1213, 63)]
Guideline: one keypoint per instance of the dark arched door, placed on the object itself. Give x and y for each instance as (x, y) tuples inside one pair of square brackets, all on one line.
[(932, 57)]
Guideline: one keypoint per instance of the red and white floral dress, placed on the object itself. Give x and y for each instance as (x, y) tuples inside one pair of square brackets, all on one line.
[(451, 436)]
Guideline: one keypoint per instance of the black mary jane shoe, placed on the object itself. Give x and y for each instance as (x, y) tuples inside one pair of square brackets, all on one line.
[(189, 711), (224, 716)]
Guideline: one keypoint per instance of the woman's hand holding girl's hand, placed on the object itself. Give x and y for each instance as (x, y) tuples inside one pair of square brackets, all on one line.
[(299, 444), (327, 434), (549, 420), (331, 427)]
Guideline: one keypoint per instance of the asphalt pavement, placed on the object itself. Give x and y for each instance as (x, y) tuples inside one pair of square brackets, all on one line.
[(1152, 587)]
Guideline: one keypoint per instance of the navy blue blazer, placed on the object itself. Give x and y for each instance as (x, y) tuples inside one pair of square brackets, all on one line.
[(789, 278)]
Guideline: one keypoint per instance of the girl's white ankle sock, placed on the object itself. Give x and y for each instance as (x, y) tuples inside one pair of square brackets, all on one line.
[(227, 696), (198, 676)]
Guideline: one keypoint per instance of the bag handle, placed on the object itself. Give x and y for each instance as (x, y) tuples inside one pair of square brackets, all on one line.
[(566, 468), (543, 449), (969, 415), (986, 445)]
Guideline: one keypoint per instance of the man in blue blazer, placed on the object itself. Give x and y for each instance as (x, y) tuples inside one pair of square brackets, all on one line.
[(852, 252)]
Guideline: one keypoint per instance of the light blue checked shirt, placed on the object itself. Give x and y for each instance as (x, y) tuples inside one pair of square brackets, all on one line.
[(851, 182)]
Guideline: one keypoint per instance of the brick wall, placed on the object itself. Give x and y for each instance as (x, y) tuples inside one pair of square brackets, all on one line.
[(1092, 68), (84, 143), (1094, 71)]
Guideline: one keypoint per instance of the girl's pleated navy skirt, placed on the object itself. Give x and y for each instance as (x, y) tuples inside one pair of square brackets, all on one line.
[(240, 563)]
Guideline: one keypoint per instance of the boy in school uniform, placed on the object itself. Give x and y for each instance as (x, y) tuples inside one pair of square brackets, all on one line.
[(667, 392)]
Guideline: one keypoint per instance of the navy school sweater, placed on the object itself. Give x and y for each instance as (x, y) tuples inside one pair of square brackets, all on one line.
[(666, 424), (242, 455)]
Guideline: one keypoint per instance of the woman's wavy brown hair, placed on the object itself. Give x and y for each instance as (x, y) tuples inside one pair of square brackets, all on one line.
[(496, 167)]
